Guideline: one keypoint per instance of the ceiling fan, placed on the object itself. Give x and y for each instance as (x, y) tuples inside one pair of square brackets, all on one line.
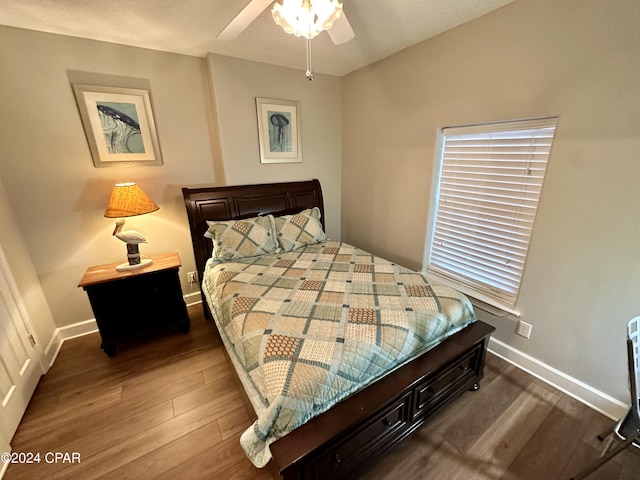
[(298, 17)]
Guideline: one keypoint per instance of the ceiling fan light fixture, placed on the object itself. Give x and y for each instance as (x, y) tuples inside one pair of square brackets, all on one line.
[(306, 18)]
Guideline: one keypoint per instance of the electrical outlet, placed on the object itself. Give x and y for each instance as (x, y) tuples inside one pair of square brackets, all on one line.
[(524, 329), (191, 277)]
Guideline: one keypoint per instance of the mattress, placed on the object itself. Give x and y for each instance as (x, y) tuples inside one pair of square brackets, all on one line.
[(307, 328)]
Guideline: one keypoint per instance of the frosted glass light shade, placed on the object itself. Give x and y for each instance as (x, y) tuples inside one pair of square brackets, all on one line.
[(306, 18)]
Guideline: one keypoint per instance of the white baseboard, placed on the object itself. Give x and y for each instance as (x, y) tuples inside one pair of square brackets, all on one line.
[(85, 328), (192, 298), (52, 349), (78, 329), (599, 401), (65, 333)]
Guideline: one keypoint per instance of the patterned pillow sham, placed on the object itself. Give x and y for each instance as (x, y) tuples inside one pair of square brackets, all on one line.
[(233, 239), (296, 231)]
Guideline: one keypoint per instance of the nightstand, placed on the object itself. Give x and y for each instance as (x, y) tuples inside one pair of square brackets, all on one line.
[(135, 303)]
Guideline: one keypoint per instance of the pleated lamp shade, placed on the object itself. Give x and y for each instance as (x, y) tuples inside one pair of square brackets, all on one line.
[(128, 200)]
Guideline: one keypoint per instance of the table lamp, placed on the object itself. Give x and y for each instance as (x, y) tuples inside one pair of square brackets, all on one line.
[(128, 200)]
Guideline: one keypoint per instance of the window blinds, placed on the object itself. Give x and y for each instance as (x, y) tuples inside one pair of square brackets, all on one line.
[(490, 182)]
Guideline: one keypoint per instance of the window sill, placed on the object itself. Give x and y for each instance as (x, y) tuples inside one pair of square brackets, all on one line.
[(491, 309)]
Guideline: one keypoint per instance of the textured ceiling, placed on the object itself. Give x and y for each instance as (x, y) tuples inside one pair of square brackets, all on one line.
[(382, 27)]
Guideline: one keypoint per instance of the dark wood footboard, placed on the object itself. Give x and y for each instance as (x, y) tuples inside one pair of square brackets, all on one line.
[(344, 441)]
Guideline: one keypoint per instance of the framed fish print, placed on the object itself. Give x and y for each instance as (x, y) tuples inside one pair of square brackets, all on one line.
[(119, 125), (279, 131)]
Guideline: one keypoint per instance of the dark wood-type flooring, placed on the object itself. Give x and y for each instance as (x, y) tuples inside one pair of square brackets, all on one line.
[(168, 407)]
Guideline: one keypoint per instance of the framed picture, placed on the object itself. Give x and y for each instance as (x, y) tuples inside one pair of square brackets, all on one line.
[(119, 125), (279, 131)]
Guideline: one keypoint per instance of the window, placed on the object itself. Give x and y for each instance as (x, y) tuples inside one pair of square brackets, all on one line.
[(488, 183)]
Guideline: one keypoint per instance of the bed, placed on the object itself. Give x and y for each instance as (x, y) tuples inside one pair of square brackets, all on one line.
[(333, 424)]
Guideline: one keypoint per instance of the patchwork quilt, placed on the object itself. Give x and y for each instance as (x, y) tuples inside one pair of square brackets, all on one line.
[(309, 327)]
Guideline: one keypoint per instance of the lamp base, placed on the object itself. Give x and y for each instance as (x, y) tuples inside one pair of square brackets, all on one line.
[(123, 267)]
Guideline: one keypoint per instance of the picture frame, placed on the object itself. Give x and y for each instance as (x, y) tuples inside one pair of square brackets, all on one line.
[(119, 125), (279, 132)]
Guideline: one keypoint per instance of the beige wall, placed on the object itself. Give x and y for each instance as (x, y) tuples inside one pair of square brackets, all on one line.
[(237, 83), (575, 59), (57, 196)]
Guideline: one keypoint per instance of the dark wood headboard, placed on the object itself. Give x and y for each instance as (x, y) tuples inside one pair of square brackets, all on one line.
[(244, 201)]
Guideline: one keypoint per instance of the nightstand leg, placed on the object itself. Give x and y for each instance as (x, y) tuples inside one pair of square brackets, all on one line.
[(185, 326), (110, 350)]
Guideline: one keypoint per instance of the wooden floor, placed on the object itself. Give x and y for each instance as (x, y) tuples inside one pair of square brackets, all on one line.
[(169, 408)]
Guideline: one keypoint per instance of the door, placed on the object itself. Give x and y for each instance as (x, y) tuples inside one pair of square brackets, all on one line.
[(20, 360)]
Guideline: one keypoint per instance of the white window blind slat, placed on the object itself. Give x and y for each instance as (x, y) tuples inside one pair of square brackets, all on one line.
[(492, 202), (492, 240), (451, 239), (498, 215), (476, 278), (489, 185), (488, 224), (463, 153), (485, 263), (500, 211), (490, 258), (493, 179), (478, 230), (494, 195)]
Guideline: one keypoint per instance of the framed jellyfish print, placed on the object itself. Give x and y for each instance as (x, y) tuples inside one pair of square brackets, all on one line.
[(119, 125), (279, 131)]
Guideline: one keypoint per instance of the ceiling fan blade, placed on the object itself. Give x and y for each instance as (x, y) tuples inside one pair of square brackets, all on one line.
[(243, 19), (341, 32)]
